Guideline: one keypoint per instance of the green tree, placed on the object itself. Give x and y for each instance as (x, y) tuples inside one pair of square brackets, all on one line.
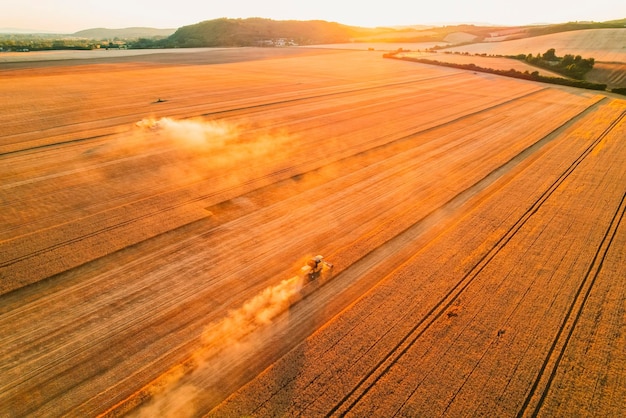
[(550, 55), (567, 60)]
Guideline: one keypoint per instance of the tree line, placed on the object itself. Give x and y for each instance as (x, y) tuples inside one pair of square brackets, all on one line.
[(526, 75)]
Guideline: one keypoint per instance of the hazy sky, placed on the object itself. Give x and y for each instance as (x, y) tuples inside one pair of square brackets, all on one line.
[(69, 16)]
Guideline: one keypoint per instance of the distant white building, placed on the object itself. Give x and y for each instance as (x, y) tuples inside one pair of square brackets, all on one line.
[(278, 42)]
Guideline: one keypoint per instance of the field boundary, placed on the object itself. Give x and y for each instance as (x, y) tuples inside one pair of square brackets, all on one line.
[(534, 76)]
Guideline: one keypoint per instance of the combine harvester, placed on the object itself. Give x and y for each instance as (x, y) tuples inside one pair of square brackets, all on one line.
[(316, 268), (315, 273)]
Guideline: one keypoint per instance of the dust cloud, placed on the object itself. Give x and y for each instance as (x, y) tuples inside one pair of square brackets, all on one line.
[(173, 394), (190, 150), (192, 133)]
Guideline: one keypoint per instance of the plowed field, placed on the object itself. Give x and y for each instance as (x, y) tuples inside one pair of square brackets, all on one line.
[(155, 212)]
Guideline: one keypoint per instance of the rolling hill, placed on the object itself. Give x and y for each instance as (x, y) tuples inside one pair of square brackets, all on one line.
[(606, 46), (250, 32)]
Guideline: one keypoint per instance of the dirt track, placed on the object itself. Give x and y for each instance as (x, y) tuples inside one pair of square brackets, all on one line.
[(475, 224)]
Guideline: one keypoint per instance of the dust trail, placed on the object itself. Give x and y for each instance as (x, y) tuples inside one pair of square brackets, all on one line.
[(193, 133), (195, 149), (187, 150), (172, 394)]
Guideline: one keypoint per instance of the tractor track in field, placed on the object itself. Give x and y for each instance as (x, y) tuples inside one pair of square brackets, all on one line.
[(367, 382), (557, 349), (555, 354), (255, 183)]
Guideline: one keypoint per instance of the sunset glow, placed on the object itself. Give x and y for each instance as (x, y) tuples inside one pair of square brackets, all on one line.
[(68, 16), (312, 208)]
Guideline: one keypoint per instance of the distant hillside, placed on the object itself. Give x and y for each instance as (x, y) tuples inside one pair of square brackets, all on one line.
[(23, 31), (574, 26), (226, 32), (254, 31), (454, 34), (125, 33)]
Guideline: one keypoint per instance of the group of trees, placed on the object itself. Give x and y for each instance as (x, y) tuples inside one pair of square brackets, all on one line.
[(535, 76), (568, 65), (13, 42), (36, 42)]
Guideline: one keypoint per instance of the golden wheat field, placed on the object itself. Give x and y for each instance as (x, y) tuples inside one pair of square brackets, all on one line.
[(606, 46), (156, 210)]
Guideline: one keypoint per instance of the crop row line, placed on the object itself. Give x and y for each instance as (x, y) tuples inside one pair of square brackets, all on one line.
[(592, 273), (579, 299), (402, 347)]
